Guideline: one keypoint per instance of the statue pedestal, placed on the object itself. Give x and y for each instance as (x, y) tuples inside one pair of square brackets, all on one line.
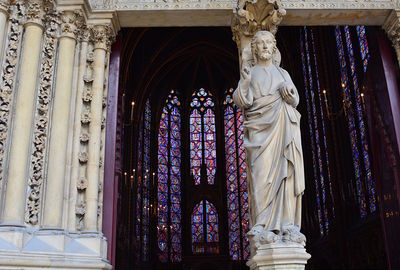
[(280, 255)]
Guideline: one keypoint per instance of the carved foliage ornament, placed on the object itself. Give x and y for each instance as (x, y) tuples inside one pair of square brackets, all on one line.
[(102, 37), (8, 74), (252, 16), (392, 27), (71, 23), (41, 120)]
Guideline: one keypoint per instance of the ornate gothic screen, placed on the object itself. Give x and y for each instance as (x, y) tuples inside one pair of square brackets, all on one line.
[(202, 137), (169, 227), (237, 205)]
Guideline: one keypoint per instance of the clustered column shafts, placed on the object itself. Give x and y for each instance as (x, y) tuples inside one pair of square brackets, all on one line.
[(101, 44), (14, 206), (52, 216), (3, 24)]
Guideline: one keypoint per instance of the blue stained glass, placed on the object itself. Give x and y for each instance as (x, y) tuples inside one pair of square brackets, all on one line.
[(308, 89), (169, 182), (236, 180), (360, 122), (364, 50), (202, 136), (351, 120)]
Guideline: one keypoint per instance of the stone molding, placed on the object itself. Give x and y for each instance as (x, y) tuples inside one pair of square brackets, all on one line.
[(23, 249), (108, 5)]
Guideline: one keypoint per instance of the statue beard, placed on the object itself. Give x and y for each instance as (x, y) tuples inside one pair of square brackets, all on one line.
[(265, 55)]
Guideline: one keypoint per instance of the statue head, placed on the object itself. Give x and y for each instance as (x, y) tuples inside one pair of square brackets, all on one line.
[(263, 45)]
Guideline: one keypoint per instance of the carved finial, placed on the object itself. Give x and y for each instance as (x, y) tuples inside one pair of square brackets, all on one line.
[(252, 16)]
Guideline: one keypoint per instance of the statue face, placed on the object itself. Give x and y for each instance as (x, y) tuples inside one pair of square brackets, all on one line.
[(265, 47)]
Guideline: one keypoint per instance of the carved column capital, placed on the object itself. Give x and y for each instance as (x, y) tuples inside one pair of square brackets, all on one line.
[(250, 17), (71, 23), (85, 33), (392, 28), (34, 11), (103, 36)]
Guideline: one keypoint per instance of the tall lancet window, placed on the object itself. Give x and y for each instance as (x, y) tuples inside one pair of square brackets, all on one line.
[(143, 186), (205, 228), (169, 228), (352, 99), (202, 137), (238, 217), (316, 126), (362, 39)]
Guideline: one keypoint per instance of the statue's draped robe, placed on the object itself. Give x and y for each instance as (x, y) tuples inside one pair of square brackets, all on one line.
[(273, 147)]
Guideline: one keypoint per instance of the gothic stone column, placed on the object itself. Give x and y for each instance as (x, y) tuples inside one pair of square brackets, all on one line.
[(53, 205), (14, 206)]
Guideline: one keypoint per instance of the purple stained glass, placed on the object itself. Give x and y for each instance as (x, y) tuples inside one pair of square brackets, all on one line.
[(351, 121), (169, 182), (202, 136), (197, 229), (237, 203), (212, 226), (196, 152), (364, 50), (308, 89), (360, 124), (146, 183), (316, 131)]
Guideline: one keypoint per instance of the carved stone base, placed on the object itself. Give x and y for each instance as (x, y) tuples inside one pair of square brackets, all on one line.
[(280, 255), (51, 249)]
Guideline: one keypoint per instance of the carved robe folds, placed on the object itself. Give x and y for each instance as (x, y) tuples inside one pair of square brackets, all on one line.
[(273, 147)]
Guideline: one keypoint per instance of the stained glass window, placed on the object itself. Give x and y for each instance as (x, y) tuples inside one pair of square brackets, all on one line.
[(355, 118), (202, 137), (169, 182), (316, 126), (364, 50), (237, 203), (205, 228), (143, 185)]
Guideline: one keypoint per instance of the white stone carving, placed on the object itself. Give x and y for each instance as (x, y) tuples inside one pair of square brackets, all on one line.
[(40, 133), (226, 4), (275, 170), (8, 76)]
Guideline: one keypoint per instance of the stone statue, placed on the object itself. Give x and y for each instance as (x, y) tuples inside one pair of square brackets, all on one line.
[(272, 141)]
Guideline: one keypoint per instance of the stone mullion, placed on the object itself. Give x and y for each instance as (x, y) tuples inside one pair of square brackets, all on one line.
[(7, 86), (54, 201), (41, 122), (14, 205), (78, 181)]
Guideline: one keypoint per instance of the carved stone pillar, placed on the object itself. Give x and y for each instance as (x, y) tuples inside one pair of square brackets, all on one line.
[(392, 28), (53, 205), (78, 177), (14, 206), (102, 40)]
